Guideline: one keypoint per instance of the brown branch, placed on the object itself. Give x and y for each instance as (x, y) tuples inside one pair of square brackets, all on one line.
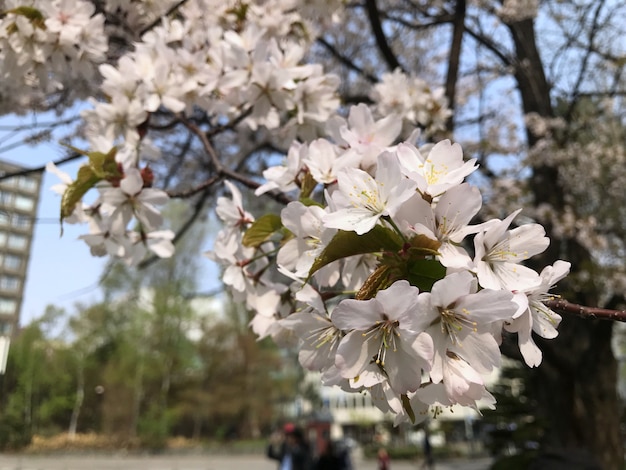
[(455, 59), (195, 190), (223, 171), (592, 313)]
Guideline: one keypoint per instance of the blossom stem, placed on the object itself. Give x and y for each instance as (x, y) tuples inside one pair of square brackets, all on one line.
[(390, 221)]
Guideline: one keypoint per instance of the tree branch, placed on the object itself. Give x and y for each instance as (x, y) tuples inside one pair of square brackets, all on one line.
[(454, 60), (223, 171), (563, 306), (346, 61), (381, 40), (39, 169)]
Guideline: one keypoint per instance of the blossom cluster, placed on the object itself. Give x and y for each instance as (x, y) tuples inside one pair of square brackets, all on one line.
[(375, 269), (236, 62), (378, 273), (47, 47)]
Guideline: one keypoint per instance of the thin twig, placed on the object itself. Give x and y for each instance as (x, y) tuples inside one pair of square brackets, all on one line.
[(39, 169), (171, 10), (563, 306), (223, 171)]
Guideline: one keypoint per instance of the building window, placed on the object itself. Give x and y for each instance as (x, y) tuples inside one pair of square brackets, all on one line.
[(5, 328), (27, 184), (12, 262), (8, 306), (21, 221), (3, 238), (4, 218), (24, 203), (9, 283), (17, 242), (6, 198)]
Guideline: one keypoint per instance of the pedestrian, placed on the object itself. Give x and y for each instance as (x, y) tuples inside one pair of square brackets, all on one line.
[(290, 448), (429, 459), (383, 459), (328, 458)]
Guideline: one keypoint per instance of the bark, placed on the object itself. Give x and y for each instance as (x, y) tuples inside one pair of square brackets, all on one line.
[(576, 384), (454, 59)]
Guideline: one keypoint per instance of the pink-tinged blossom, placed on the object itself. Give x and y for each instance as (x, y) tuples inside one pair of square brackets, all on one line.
[(368, 138), (284, 177), (460, 319), (499, 252), (465, 387), (132, 199), (448, 222), (231, 211), (102, 241), (383, 331), (310, 237), (439, 170), (324, 161), (388, 400), (362, 200), (536, 316), (158, 242), (319, 338)]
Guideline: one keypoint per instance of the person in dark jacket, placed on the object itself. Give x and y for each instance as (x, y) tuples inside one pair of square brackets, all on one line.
[(329, 459), (291, 449)]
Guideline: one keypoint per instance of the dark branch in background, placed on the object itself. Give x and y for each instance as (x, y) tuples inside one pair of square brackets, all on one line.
[(195, 190), (346, 61), (381, 40), (563, 306), (585, 60), (171, 10), (455, 59), (180, 160), (356, 99), (223, 171), (39, 169), (490, 46), (437, 21)]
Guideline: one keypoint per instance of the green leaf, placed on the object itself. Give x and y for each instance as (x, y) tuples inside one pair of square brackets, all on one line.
[(261, 230), (346, 244), (423, 273), (32, 14), (104, 164), (85, 180), (101, 166)]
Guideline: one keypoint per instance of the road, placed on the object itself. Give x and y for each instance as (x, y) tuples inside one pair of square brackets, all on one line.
[(195, 462)]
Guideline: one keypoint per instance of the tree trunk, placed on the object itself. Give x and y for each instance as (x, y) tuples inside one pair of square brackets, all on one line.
[(576, 384), (576, 390), (78, 402)]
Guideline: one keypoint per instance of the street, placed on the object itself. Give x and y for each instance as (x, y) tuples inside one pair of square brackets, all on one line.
[(194, 462)]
